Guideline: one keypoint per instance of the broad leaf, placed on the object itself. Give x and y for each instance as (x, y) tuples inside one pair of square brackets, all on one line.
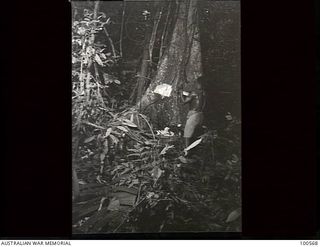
[(114, 204), (135, 154), (233, 215), (98, 60), (235, 158), (125, 171), (103, 55), (156, 173), (89, 139), (114, 139), (108, 132), (129, 123), (192, 145), (122, 128)]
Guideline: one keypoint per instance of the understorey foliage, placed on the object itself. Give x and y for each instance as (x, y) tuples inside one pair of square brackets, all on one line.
[(134, 180)]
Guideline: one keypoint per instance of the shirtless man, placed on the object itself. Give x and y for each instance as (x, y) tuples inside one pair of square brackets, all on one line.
[(193, 95)]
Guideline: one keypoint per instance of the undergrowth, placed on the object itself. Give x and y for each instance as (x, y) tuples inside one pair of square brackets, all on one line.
[(133, 180)]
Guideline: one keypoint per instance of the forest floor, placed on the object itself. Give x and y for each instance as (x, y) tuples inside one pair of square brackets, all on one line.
[(134, 180)]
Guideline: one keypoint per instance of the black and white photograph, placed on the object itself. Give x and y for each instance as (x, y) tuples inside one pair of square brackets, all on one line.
[(156, 116)]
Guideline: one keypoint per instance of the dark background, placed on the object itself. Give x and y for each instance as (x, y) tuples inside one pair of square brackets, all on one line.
[(278, 114)]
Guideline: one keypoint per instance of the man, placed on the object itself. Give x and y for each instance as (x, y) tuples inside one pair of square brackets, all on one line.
[(193, 95)]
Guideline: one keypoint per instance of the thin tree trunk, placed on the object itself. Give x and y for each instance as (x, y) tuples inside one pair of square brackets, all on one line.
[(122, 26), (114, 54), (143, 75), (96, 9)]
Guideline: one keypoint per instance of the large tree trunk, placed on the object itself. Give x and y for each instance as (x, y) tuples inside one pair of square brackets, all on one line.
[(179, 64)]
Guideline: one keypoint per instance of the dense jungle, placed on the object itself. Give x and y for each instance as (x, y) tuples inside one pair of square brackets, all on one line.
[(130, 172)]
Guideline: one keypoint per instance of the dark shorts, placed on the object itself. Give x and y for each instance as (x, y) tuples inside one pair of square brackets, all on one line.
[(194, 119)]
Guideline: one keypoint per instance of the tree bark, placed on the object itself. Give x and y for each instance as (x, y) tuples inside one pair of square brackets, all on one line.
[(165, 28), (179, 64), (143, 74)]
